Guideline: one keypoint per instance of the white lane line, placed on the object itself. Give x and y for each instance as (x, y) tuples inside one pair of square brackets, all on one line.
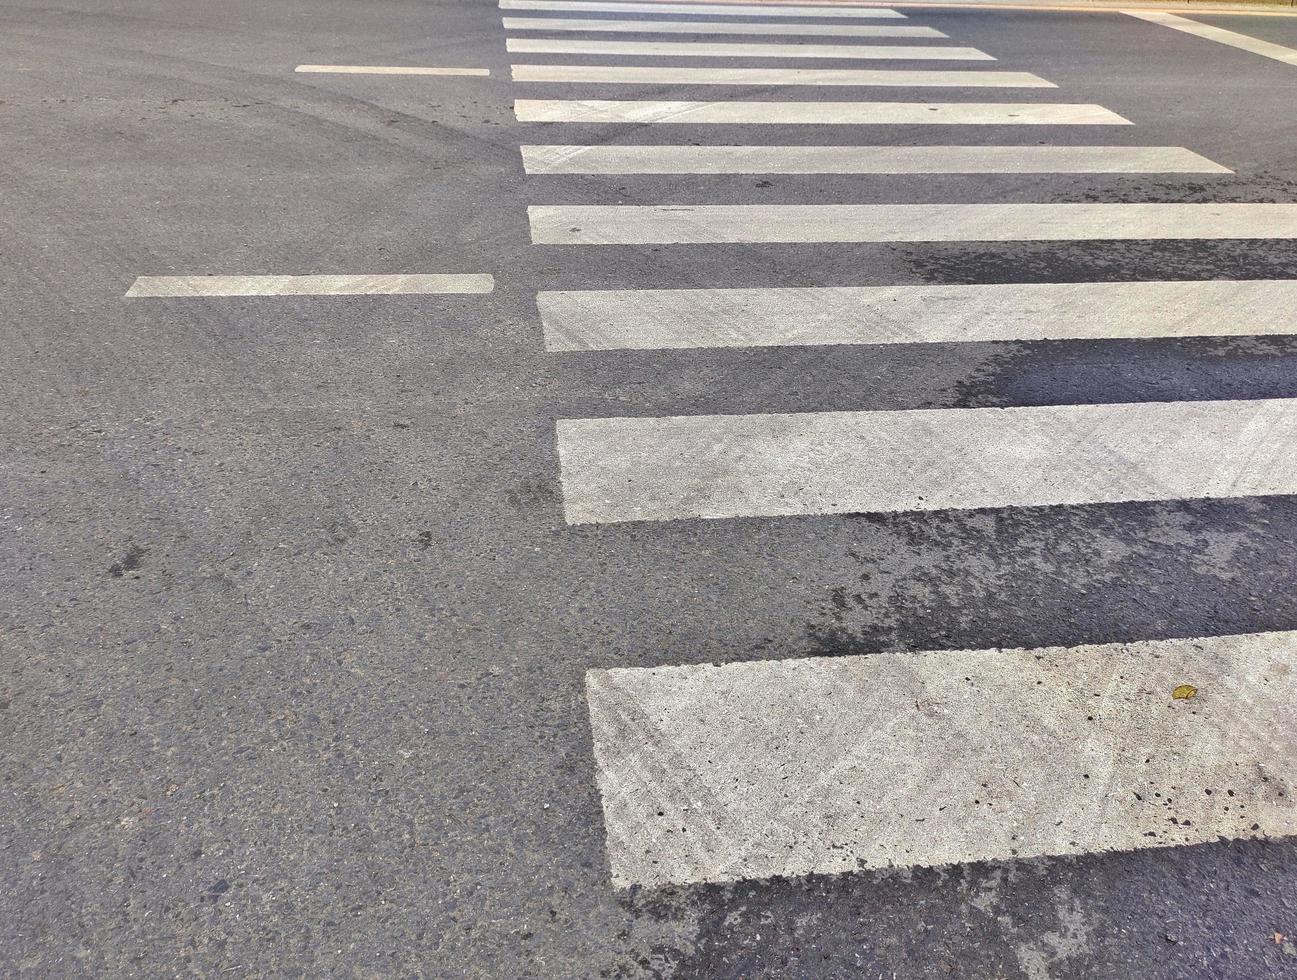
[(382, 285), (673, 75), (789, 223), (1266, 49), (727, 10), (389, 70), (836, 764), (676, 159), (696, 49), (817, 113), (707, 27), (659, 319), (726, 466)]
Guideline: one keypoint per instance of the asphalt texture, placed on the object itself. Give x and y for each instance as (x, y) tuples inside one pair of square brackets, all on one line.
[(294, 632)]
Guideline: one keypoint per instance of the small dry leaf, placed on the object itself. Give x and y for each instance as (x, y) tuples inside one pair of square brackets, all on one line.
[(1279, 938), (1184, 692)]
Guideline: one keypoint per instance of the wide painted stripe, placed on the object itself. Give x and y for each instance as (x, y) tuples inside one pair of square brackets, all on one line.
[(676, 159), (308, 285), (1266, 49), (389, 70), (710, 27), (675, 75), (695, 49), (656, 319), (792, 223), (719, 466), (711, 9), (836, 764), (817, 113)]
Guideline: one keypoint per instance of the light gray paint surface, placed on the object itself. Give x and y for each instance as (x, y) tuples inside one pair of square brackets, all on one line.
[(655, 319), (783, 28), (679, 75), (725, 466), (817, 766), (711, 49), (307, 285), (714, 224)]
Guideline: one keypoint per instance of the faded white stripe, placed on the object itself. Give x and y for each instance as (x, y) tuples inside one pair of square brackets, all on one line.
[(697, 49), (653, 319), (707, 27), (308, 285), (718, 466), (817, 113), (829, 765), (389, 70), (1267, 49), (726, 10), (792, 223), (676, 159), (675, 75)]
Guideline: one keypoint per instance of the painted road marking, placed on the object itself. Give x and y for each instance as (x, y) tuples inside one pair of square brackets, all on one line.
[(658, 319), (1266, 49), (817, 113), (711, 27), (696, 49), (385, 285), (641, 75), (389, 70), (791, 223), (724, 466), (834, 764), (676, 159), (728, 10)]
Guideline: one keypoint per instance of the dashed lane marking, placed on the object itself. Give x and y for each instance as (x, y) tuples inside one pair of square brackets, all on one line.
[(386, 285), (1266, 49), (389, 70)]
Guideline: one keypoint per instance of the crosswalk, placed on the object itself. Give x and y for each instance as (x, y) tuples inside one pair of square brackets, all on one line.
[(819, 766)]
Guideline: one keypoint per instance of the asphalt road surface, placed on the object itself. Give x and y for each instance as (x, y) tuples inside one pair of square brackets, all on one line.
[(918, 385)]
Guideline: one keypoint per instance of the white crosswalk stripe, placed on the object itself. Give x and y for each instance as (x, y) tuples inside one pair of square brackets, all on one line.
[(726, 466), (782, 29), (694, 49), (676, 159), (817, 113), (710, 9), (794, 223), (820, 766), (675, 75), (657, 319)]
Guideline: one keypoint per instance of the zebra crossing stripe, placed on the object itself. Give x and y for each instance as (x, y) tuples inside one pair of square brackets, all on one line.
[(657, 319), (728, 466), (679, 159), (817, 113), (794, 223), (385, 285), (830, 765), (674, 75), (711, 27), (695, 49), (713, 9)]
